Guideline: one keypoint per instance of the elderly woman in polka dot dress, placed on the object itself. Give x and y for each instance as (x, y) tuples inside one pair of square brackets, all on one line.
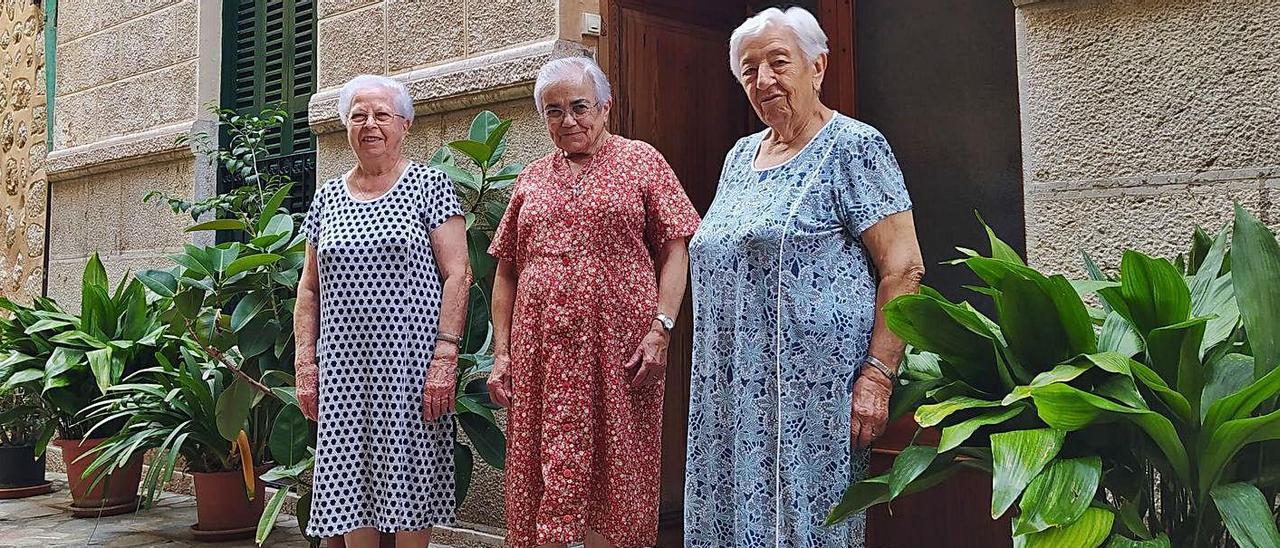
[(591, 272), (380, 304)]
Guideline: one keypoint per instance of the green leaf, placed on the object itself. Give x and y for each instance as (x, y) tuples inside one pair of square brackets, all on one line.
[(934, 414), (482, 264), (1242, 403), (955, 435), (1119, 336), (287, 394), (269, 515), (289, 436), (507, 173), (100, 363), (1059, 495), (486, 437), (233, 409), (476, 150), (247, 309), (162, 283), (250, 262), (1225, 376), (1228, 439), (460, 176), (1174, 354), (1017, 457), (1068, 408), (955, 334), (1152, 293), (95, 275), (258, 337), (272, 206), (1090, 531), (1118, 541), (463, 464), (218, 224), (21, 377), (188, 302), (62, 360), (1255, 260), (909, 464), (1247, 515), (483, 126), (1000, 250)]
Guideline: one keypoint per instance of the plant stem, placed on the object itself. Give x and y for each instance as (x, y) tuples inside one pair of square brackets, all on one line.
[(222, 358)]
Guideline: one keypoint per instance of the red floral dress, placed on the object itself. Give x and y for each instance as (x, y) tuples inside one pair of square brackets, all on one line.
[(582, 443)]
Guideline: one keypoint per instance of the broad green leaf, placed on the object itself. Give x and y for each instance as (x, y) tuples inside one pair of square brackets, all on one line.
[(999, 249), (250, 262), (233, 409), (289, 435), (1118, 541), (1089, 287), (860, 496), (955, 435), (945, 329), (460, 176), (1152, 293), (483, 126), (1177, 405), (1059, 495), (272, 206), (287, 394), (162, 283), (281, 224), (1247, 515), (100, 366), (218, 224), (188, 302), (1224, 377), (1242, 403), (442, 156), (258, 337), (62, 360), (476, 150), (908, 465), (1090, 531), (934, 414), (1224, 442), (482, 264), (497, 142), (270, 513), (247, 309), (463, 464), (1118, 336), (1067, 408), (1207, 272), (486, 437), (95, 274), (507, 173), (1017, 457), (1174, 353), (1255, 260), (222, 256), (21, 377)]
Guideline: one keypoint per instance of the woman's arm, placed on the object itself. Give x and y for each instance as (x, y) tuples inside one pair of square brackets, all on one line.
[(896, 254), (649, 361), (449, 245), (504, 297), (306, 330)]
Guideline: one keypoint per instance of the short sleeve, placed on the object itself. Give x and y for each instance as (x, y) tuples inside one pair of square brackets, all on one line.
[(669, 214), (875, 189), (441, 201), (507, 234), (315, 215)]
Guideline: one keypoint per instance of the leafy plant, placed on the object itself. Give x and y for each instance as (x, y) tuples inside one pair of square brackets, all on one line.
[(484, 196), (71, 360), (1148, 421), (22, 419)]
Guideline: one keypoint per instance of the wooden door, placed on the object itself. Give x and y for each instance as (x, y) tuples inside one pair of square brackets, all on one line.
[(668, 61)]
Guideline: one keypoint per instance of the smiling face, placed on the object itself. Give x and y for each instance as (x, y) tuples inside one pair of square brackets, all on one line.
[(777, 80), (574, 133), (374, 127)]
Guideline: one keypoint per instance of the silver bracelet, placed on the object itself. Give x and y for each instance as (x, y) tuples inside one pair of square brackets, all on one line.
[(884, 369)]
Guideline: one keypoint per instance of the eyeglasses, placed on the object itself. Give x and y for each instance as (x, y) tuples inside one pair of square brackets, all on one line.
[(578, 110), (379, 118)]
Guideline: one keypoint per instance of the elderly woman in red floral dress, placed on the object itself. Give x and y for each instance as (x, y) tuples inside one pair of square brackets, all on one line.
[(592, 258)]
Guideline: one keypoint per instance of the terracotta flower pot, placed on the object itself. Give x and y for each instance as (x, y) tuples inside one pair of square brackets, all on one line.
[(117, 493), (21, 473), (223, 511)]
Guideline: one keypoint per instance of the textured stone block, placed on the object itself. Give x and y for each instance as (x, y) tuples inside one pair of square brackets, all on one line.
[(77, 18), (330, 8), (424, 32), (128, 106), (351, 44), (150, 226), (496, 24), (156, 40)]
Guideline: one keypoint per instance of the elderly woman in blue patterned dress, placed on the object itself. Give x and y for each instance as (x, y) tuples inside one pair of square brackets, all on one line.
[(810, 234), (381, 301)]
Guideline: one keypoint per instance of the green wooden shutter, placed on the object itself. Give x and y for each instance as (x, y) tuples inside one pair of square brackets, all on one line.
[(269, 59)]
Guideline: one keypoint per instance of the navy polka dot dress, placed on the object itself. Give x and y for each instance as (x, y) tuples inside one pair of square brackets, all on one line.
[(378, 462)]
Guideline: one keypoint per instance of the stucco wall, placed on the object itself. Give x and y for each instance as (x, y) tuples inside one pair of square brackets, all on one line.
[(130, 78), (1143, 118)]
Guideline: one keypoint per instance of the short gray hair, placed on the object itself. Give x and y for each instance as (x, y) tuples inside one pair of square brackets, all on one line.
[(559, 70), (809, 34), (399, 94)]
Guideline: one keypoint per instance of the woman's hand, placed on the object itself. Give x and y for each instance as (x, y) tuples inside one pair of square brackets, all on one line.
[(649, 362), (500, 380), (442, 378), (307, 377), (870, 407)]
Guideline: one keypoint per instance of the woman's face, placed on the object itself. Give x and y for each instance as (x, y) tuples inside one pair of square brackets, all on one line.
[(374, 127), (777, 80), (575, 117)]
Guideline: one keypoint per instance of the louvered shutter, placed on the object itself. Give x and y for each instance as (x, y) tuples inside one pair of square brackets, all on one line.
[(269, 59)]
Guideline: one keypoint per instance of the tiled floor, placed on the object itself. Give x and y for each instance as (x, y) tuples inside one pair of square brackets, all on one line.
[(44, 521)]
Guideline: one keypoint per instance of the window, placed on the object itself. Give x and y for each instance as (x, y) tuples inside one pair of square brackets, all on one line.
[(269, 59)]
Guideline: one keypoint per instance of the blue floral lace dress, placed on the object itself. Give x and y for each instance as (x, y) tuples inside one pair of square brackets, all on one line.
[(783, 306)]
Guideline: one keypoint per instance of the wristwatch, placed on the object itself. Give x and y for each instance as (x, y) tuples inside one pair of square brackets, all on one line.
[(667, 322)]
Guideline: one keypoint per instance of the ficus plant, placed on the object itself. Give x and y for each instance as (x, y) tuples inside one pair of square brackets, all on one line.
[(1146, 421)]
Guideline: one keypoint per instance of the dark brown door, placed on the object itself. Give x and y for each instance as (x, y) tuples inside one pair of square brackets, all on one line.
[(668, 61)]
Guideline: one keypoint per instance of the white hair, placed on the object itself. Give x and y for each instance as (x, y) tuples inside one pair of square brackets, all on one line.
[(566, 68), (399, 94), (809, 34)]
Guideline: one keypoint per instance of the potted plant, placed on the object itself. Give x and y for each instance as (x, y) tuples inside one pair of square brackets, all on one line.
[(71, 360), (22, 427), (1147, 421)]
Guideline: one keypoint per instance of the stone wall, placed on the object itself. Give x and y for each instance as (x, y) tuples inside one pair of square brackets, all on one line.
[(1143, 118), (23, 149), (130, 78)]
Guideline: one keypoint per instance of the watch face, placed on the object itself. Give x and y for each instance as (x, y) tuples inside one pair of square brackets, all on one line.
[(667, 322)]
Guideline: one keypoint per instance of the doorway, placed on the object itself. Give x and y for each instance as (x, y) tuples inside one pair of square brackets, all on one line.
[(939, 81)]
